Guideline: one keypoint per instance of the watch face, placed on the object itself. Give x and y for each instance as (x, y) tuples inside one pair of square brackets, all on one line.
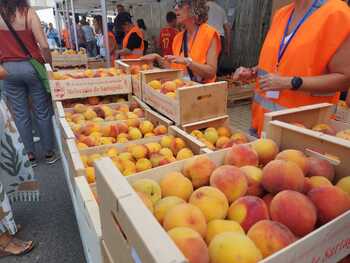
[(296, 83)]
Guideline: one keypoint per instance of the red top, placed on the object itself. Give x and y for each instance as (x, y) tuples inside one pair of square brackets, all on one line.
[(10, 50), (166, 38)]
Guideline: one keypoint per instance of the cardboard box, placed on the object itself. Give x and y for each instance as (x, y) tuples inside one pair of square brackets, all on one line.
[(215, 123), (87, 87), (121, 211), (324, 146), (62, 61), (195, 103), (88, 217), (136, 79)]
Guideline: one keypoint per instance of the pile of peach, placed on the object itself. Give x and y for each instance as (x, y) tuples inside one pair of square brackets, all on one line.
[(135, 69), (258, 202), (89, 73), (82, 113), (95, 100), (141, 157), (93, 134), (169, 88), (219, 138), (327, 129)]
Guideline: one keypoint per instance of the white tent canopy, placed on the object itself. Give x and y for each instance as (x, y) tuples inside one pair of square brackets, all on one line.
[(42, 4)]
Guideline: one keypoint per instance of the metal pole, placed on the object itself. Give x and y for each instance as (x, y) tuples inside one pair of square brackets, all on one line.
[(58, 23), (74, 26), (67, 23), (105, 31)]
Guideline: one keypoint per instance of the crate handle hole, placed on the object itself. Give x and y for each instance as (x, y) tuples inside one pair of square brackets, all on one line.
[(119, 226), (203, 97)]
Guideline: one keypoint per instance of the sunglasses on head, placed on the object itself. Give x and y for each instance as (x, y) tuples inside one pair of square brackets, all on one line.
[(181, 3)]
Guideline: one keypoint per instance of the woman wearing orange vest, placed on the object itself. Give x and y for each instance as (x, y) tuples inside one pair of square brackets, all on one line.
[(197, 48), (133, 42), (304, 59)]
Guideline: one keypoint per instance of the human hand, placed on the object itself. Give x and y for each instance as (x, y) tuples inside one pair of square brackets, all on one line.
[(150, 57), (245, 74), (274, 82), (3, 73), (176, 59)]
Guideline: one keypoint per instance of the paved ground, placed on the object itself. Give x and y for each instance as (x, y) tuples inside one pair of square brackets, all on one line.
[(51, 222)]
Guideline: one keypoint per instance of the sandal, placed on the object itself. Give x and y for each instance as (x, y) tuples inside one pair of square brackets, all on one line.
[(25, 246)]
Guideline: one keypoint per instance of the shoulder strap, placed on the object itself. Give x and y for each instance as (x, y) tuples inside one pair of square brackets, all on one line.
[(185, 50), (15, 35)]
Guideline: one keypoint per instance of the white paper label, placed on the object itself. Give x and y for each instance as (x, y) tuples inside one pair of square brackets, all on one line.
[(272, 94)]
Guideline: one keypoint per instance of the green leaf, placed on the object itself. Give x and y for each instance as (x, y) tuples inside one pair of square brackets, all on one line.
[(8, 170), (6, 157), (8, 139), (18, 167)]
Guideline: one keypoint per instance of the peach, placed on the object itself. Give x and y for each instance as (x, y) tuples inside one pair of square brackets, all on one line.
[(90, 174), (155, 84), (166, 152), (330, 202), (160, 130), (93, 100), (138, 151), (149, 187), (177, 144), (89, 114), (179, 83), (80, 108), (183, 154), (146, 200), (218, 226), (82, 146), (344, 184), (295, 211), (135, 134), (166, 141), (186, 215), (248, 210), (171, 95), (197, 133), (324, 128), (131, 115), (295, 156), (176, 184), (169, 86), (233, 247), (191, 244), (199, 170), (211, 201), (133, 123), (230, 180), (153, 147), (122, 127), (146, 127), (128, 167), (92, 158), (163, 206), (156, 159), (314, 182), (267, 150), (320, 167), (150, 134), (139, 112), (254, 178), (267, 199), (78, 117), (221, 142), (239, 138), (224, 132), (279, 175), (270, 237), (208, 144), (241, 155), (211, 135), (143, 164)]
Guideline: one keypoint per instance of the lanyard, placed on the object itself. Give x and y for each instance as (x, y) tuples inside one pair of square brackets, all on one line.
[(283, 46)]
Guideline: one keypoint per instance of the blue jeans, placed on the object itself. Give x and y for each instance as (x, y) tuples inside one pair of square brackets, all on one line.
[(21, 84)]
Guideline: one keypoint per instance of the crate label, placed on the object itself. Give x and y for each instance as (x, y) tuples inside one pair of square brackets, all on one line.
[(136, 86), (78, 88), (69, 60), (165, 105)]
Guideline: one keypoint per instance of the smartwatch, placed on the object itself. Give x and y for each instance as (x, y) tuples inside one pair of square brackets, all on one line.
[(296, 82)]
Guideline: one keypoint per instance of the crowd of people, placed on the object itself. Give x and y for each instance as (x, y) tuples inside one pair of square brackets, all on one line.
[(304, 60)]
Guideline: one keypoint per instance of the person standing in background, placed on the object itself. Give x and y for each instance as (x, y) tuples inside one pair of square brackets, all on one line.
[(100, 39), (118, 31), (147, 38), (133, 44), (167, 35), (80, 34), (217, 18), (22, 83), (90, 39), (52, 36)]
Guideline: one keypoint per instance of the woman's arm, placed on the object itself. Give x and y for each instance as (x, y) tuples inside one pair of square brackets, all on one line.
[(338, 78), (39, 35)]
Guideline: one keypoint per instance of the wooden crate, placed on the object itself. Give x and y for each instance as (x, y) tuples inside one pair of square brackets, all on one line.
[(88, 217), (63, 61), (60, 110), (122, 230), (342, 112), (95, 63), (150, 115), (106, 254), (87, 87), (195, 103), (223, 121), (136, 79), (238, 91), (288, 135)]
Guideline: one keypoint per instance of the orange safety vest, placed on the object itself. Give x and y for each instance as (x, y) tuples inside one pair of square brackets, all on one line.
[(308, 54), (137, 52), (199, 49)]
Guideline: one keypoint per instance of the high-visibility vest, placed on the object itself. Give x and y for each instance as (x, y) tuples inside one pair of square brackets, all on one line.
[(137, 52), (308, 54), (199, 48)]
